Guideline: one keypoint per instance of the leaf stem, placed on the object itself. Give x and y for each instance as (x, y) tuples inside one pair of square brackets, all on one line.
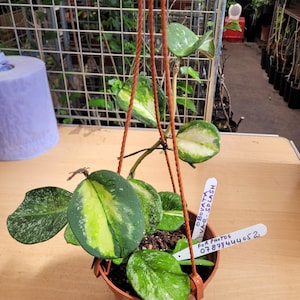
[(168, 129)]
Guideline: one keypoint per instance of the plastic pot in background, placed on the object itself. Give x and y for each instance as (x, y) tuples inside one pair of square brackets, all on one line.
[(263, 59), (287, 87), (294, 97), (277, 79), (282, 84), (271, 73)]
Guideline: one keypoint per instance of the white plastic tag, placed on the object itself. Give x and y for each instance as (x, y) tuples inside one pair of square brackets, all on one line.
[(204, 209), (223, 241)]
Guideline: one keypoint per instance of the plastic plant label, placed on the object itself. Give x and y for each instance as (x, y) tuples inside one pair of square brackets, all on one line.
[(223, 241), (204, 209)]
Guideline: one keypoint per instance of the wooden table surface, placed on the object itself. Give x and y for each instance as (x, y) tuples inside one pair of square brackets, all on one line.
[(258, 182)]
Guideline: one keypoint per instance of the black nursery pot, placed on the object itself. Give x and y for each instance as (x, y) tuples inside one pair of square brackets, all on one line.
[(271, 73), (268, 63), (287, 87), (277, 79), (282, 84), (264, 58), (294, 98)]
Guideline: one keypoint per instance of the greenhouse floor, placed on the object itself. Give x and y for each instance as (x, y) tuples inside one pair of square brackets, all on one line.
[(252, 97)]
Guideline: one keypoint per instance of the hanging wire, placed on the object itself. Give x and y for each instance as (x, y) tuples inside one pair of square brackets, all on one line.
[(197, 283), (196, 279), (134, 82), (154, 88)]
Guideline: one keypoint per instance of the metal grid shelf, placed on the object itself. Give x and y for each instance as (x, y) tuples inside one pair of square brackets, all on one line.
[(87, 43)]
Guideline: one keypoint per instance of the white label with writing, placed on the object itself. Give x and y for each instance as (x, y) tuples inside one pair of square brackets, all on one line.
[(204, 209), (223, 241)]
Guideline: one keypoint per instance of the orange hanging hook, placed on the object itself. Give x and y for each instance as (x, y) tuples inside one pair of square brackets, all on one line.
[(196, 280)]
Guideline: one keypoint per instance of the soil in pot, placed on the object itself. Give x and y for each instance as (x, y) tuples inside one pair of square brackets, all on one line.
[(160, 240), (117, 279)]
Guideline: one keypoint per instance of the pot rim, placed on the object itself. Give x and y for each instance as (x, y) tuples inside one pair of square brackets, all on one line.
[(116, 290)]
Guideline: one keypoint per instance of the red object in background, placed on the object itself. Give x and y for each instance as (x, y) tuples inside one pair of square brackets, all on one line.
[(234, 35)]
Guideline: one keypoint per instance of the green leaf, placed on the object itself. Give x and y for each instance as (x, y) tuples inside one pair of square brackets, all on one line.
[(186, 88), (50, 35), (191, 72), (200, 261), (69, 236), (207, 44), (116, 85), (181, 40), (151, 204), (143, 106), (105, 215), (101, 103), (188, 103), (170, 201), (172, 220), (157, 275), (233, 25), (182, 244), (41, 215), (172, 217), (198, 141)]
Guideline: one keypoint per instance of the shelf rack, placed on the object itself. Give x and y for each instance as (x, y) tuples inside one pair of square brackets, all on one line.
[(87, 43)]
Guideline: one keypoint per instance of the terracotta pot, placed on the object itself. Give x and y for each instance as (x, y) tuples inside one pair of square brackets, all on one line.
[(121, 295), (264, 35)]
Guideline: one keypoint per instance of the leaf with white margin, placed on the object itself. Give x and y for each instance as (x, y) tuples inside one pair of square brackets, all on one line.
[(198, 141)]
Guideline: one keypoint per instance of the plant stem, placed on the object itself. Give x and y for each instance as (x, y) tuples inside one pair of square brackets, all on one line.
[(141, 158), (168, 129)]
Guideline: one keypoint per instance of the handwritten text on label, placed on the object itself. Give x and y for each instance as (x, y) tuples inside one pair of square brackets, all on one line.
[(204, 209)]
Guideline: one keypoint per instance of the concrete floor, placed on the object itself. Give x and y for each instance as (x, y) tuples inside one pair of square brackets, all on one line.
[(253, 97)]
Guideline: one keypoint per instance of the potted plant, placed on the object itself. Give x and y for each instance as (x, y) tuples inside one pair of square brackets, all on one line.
[(111, 216), (293, 78)]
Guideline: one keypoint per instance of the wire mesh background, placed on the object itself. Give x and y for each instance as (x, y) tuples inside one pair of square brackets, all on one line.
[(88, 43)]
